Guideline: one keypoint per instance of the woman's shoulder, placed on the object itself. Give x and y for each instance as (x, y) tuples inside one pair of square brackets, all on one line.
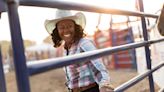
[(87, 44), (85, 40)]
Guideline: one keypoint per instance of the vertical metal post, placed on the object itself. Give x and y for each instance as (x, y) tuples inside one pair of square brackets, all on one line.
[(147, 50), (2, 77), (18, 47)]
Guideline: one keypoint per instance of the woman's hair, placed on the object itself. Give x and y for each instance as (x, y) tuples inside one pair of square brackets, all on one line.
[(58, 41)]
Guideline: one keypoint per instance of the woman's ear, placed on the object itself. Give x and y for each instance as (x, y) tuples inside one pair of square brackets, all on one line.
[(160, 23)]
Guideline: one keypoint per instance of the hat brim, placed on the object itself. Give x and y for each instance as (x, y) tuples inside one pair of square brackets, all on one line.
[(79, 19)]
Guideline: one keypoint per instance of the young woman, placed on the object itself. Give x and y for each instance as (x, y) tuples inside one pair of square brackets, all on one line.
[(88, 76)]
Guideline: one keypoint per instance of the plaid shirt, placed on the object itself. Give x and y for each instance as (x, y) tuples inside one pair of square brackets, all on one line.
[(88, 72)]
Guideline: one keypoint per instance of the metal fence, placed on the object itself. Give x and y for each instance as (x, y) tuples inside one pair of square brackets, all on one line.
[(23, 71)]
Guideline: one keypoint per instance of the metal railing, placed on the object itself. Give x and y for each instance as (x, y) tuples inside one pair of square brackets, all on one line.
[(45, 65), (23, 71), (138, 78)]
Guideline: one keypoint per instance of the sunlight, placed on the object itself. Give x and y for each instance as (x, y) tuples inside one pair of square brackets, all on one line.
[(92, 19), (35, 21), (116, 4)]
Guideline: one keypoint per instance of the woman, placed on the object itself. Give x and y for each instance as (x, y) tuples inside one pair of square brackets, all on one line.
[(88, 76)]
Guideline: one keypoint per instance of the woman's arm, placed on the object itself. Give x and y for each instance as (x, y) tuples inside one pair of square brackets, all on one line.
[(99, 71)]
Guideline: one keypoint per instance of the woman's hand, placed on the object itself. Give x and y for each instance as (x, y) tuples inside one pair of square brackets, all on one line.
[(107, 88)]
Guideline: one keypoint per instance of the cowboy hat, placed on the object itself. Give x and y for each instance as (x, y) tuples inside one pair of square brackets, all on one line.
[(79, 18)]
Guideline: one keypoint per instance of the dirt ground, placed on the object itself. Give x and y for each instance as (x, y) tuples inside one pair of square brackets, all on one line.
[(53, 81)]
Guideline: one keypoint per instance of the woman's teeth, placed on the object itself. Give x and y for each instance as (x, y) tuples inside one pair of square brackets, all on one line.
[(67, 35)]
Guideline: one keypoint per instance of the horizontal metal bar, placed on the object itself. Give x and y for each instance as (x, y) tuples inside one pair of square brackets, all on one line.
[(138, 78), (50, 64), (156, 41), (70, 5)]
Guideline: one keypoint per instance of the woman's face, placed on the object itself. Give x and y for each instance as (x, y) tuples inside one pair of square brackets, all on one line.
[(66, 30)]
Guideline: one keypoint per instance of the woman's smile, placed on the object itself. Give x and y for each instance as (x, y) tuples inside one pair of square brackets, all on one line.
[(66, 30), (67, 35)]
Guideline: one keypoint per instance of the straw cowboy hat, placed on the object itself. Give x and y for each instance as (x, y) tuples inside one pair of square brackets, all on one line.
[(79, 18), (160, 23)]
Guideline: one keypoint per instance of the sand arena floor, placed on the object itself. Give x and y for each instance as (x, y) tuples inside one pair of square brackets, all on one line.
[(53, 81)]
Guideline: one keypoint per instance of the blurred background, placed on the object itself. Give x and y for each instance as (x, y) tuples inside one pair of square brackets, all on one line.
[(107, 30)]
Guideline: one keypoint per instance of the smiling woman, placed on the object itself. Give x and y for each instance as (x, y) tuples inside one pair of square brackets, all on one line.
[(68, 32), (90, 74)]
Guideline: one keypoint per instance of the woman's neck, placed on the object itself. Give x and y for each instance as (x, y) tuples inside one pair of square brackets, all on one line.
[(68, 45)]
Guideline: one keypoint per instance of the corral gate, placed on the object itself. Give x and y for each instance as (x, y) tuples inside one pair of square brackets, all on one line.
[(23, 71)]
